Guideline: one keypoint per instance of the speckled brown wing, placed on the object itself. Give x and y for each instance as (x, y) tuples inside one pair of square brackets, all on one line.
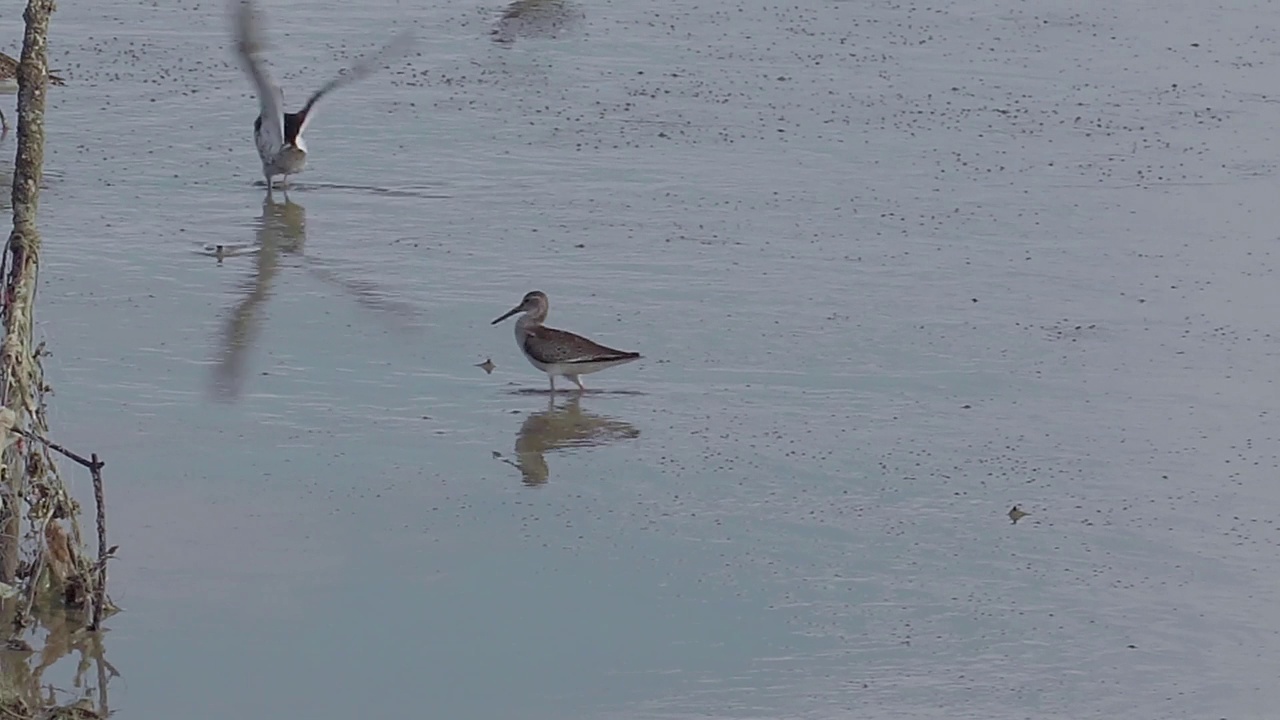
[(9, 70), (560, 347)]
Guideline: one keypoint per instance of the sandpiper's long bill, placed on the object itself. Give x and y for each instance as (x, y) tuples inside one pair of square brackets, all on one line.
[(278, 134), (9, 82), (559, 352)]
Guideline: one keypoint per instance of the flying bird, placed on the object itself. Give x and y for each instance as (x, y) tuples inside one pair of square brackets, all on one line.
[(278, 134)]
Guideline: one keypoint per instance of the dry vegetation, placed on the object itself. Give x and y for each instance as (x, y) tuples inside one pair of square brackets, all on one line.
[(47, 580)]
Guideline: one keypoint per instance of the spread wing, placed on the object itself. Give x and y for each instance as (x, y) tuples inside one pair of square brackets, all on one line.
[(248, 46), (552, 346), (364, 67), (8, 67)]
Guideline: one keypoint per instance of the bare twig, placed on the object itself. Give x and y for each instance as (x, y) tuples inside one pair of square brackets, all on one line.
[(94, 465), (100, 596)]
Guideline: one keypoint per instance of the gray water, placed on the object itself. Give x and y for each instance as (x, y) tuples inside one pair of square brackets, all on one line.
[(894, 267)]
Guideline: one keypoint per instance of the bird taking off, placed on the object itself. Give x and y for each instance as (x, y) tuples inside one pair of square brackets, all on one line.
[(278, 134)]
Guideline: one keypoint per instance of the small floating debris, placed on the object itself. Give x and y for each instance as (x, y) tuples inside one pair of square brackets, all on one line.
[(220, 251), (487, 366), (1015, 514)]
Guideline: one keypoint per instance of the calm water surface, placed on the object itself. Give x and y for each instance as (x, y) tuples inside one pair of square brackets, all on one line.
[(894, 267)]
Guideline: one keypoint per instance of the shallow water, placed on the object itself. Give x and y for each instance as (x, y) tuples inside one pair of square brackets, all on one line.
[(894, 267)]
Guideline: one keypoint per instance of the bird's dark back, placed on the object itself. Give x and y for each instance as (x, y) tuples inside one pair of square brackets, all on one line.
[(293, 125)]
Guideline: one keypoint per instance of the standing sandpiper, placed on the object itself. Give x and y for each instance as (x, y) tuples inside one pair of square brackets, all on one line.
[(558, 352), (9, 82), (278, 134)]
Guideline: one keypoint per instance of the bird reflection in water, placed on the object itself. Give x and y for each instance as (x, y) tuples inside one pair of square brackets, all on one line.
[(281, 231), (560, 428), (282, 227), (535, 19)]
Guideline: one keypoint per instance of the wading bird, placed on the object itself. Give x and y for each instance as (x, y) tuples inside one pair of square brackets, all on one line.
[(559, 352), (278, 134)]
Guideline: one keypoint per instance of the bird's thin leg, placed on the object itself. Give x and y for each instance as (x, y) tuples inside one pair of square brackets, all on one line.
[(553, 383), (285, 182), (268, 177), (4, 124), (578, 382)]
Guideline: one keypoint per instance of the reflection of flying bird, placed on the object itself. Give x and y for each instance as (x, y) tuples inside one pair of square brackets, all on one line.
[(281, 232), (9, 82), (559, 352), (281, 228), (278, 134), (560, 428)]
